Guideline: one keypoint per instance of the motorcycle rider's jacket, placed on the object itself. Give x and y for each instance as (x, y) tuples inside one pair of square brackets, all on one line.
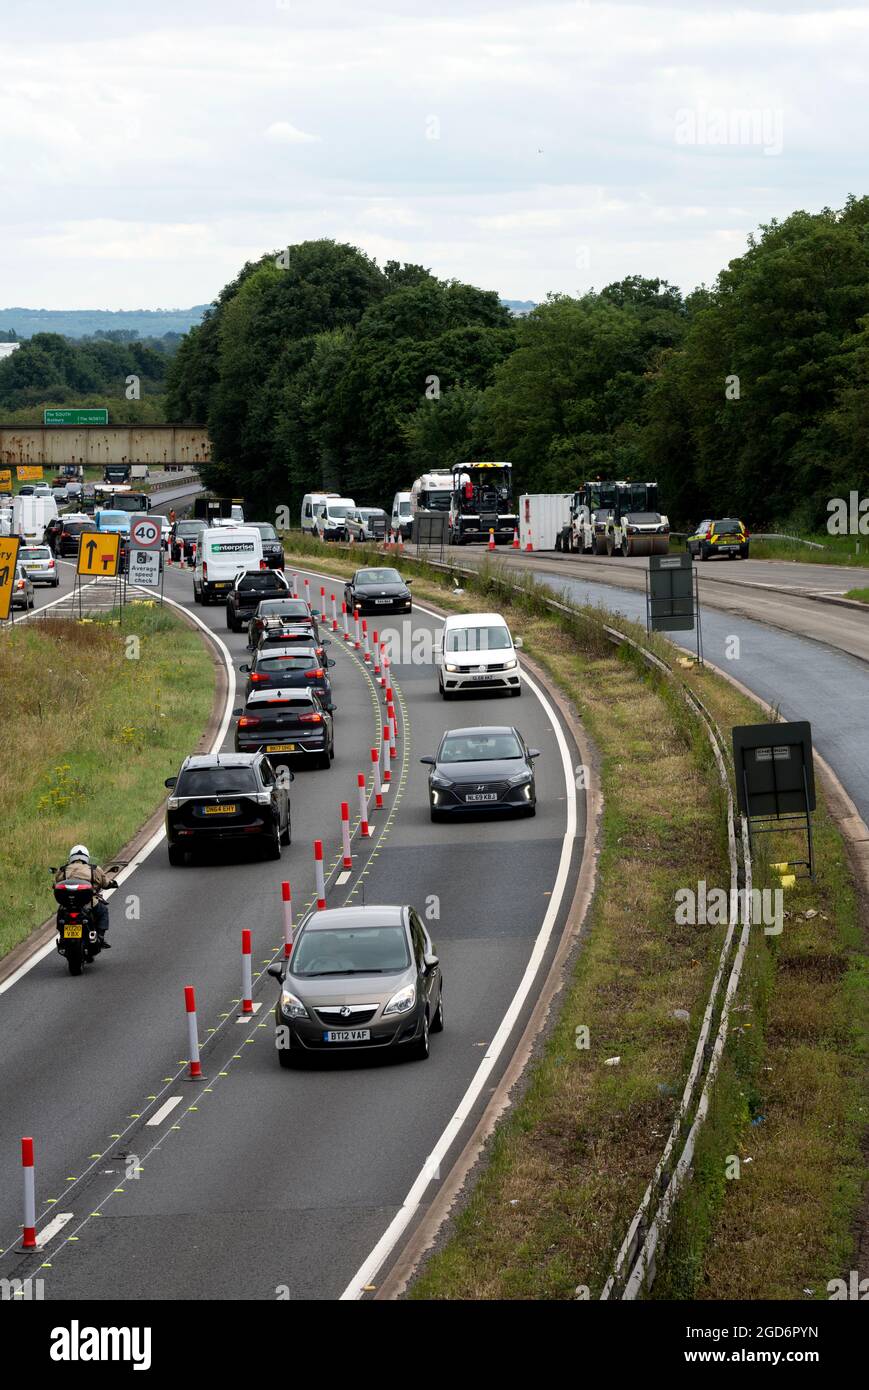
[(79, 872)]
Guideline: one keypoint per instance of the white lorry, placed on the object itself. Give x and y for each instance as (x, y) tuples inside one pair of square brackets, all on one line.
[(31, 515)]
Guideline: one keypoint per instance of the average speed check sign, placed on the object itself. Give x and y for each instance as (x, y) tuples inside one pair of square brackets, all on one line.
[(145, 568), (145, 534)]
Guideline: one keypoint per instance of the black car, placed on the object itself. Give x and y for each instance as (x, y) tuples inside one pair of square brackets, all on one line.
[(182, 538), (273, 610), (247, 593), (482, 769), (69, 536), (227, 796), (301, 667), (284, 724), (380, 590), (273, 550), (292, 635), (52, 533)]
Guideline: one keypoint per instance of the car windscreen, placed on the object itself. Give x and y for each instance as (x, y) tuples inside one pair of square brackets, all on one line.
[(729, 524), (76, 527), (283, 608), (479, 748), (299, 661), (188, 528), (266, 530), (644, 518), (213, 781), (345, 951), (337, 511), (404, 509), (262, 579), (384, 576), (477, 639), (371, 512), (34, 552)]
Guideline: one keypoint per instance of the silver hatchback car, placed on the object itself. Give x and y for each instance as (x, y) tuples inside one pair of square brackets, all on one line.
[(360, 979)]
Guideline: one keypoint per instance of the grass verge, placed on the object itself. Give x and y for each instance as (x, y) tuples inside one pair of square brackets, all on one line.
[(100, 721), (861, 595), (568, 1164)]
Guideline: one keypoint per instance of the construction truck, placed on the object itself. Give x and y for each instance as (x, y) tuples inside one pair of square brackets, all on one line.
[(431, 492), (482, 503), (615, 517)]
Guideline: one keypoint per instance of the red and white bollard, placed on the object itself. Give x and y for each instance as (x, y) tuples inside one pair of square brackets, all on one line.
[(195, 1072), (318, 870), (390, 712), (345, 835), (322, 602), (364, 827), (365, 640), (387, 775), (334, 615), (287, 906), (193, 556), (358, 640), (295, 587), (28, 1239), (375, 763), (246, 974), (308, 592), (344, 622), (387, 698), (384, 668), (376, 653)]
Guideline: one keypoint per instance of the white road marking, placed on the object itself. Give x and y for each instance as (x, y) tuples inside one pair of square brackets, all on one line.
[(246, 1018), (165, 1109), (56, 1224), (342, 878)]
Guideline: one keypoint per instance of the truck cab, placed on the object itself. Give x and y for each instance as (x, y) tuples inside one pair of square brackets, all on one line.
[(482, 503)]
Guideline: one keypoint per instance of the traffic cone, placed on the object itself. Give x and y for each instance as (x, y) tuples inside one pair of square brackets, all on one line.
[(491, 538), (528, 545), (515, 545)]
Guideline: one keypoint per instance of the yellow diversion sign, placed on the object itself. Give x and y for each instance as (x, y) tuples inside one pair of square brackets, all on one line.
[(99, 552), (8, 560)]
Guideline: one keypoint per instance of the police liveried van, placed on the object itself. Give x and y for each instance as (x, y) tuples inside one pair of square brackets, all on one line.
[(223, 551)]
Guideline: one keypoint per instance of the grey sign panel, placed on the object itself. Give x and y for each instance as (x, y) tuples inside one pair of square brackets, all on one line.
[(774, 770), (430, 528), (671, 593)]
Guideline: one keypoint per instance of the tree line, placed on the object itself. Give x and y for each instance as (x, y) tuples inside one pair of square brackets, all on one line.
[(49, 369)]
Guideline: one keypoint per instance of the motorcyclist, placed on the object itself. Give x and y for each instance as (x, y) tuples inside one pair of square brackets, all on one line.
[(79, 869)]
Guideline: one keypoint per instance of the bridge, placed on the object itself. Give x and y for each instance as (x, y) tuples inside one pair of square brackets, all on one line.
[(160, 446)]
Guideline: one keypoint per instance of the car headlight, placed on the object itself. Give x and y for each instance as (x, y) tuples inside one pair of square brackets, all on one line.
[(402, 1002), (291, 1006), (509, 665), (439, 781), (520, 780), (449, 667)]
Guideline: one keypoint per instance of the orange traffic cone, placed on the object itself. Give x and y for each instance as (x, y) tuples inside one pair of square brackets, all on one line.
[(491, 538), (528, 545), (515, 545)]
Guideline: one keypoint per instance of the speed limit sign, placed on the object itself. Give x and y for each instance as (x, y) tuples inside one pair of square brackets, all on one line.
[(145, 534)]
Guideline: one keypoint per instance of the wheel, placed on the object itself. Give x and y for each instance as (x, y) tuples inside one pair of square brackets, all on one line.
[(626, 549), (197, 594), (437, 1023), (176, 855), (421, 1049), (702, 554), (324, 761), (332, 751), (436, 815), (273, 850), (74, 965), (530, 810), (56, 583), (229, 622), (286, 1058), (517, 692), (287, 834)]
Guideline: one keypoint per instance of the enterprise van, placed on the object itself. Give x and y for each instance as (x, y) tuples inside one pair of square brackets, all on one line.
[(220, 553), (477, 653)]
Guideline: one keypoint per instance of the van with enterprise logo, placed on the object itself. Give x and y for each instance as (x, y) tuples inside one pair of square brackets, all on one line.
[(223, 551)]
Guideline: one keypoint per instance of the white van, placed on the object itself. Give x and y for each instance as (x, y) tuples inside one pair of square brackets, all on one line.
[(330, 519), (310, 502), (31, 515), (220, 553), (402, 520), (477, 653)]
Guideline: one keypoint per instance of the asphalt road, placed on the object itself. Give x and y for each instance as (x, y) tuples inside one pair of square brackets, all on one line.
[(261, 1183)]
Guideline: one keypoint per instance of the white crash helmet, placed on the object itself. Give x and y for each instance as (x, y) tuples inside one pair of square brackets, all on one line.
[(79, 854)]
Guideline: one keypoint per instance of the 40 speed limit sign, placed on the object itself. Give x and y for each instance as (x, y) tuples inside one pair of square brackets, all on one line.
[(145, 534)]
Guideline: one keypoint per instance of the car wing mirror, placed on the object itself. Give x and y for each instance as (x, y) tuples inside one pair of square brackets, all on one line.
[(431, 960), (277, 970), (237, 712), (330, 662), (518, 643), (244, 667), (170, 781), (408, 581), (534, 752), (428, 760)]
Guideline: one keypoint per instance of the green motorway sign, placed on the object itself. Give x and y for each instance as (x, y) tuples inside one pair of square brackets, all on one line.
[(98, 416)]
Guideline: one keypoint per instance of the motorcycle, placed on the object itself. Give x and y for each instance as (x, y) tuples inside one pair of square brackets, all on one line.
[(77, 937)]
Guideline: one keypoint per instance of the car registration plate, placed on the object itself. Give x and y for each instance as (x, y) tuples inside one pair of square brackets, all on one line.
[(280, 748), (228, 810), (222, 584), (481, 796), (72, 933), (347, 1035), (475, 676), (384, 600)]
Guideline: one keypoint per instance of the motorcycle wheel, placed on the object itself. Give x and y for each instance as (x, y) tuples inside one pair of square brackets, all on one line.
[(74, 964)]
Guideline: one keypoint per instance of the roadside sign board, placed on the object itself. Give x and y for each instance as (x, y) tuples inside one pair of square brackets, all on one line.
[(774, 768), (145, 534), (8, 560), (5, 479), (99, 552), (671, 593), (145, 568), (29, 472), (96, 416)]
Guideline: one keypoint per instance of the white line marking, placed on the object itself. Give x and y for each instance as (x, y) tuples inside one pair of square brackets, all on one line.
[(342, 878), (246, 1018), (165, 1109), (56, 1224), (122, 876)]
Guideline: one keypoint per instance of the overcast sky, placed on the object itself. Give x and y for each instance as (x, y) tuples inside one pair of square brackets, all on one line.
[(148, 150)]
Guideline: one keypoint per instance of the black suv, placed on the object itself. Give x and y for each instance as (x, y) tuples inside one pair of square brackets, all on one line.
[(272, 609), (273, 550), (284, 724), (276, 668), (248, 592), (227, 796)]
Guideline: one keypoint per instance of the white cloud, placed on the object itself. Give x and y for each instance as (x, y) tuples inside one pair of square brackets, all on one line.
[(282, 133)]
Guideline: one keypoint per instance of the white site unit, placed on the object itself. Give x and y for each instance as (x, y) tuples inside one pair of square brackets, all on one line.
[(139, 470), (31, 515), (221, 552), (542, 515)]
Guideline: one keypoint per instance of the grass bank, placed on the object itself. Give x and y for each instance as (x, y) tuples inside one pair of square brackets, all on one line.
[(96, 721), (568, 1164)]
